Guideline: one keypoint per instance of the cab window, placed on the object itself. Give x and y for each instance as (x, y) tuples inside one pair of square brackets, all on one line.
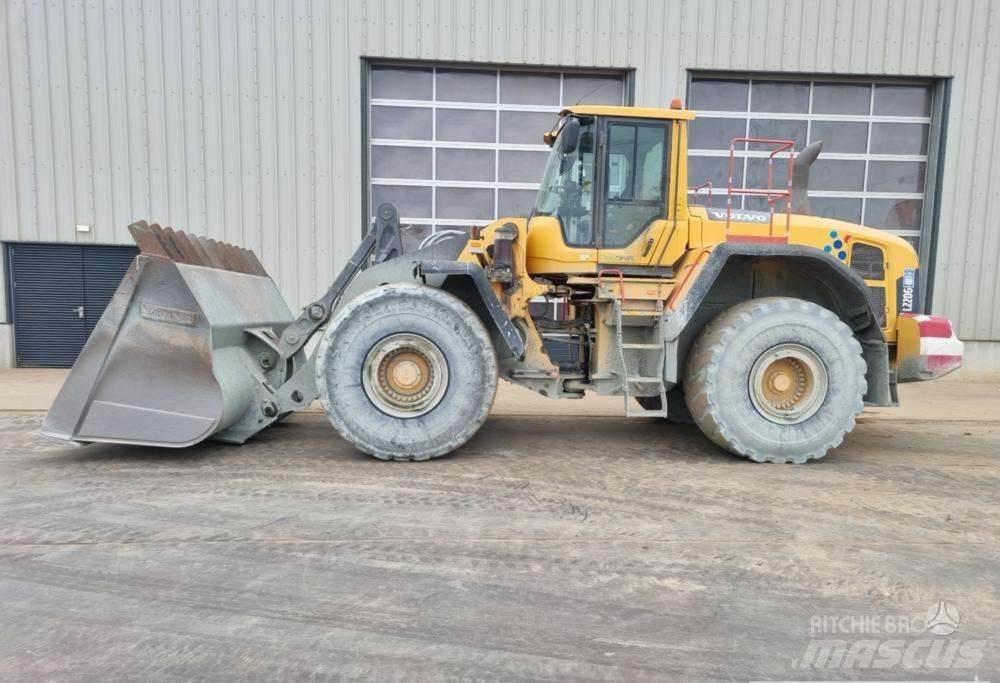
[(567, 187), (635, 176)]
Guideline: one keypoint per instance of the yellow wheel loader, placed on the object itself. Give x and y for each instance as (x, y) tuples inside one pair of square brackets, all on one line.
[(768, 329)]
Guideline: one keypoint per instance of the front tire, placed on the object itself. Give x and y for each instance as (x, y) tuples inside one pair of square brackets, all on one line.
[(776, 380), (406, 372)]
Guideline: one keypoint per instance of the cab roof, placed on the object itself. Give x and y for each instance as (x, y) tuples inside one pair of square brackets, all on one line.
[(629, 112)]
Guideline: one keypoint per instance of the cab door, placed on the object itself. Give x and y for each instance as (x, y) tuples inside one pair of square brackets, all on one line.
[(632, 220), (561, 231)]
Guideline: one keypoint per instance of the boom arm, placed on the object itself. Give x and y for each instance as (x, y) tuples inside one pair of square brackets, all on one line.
[(316, 314)]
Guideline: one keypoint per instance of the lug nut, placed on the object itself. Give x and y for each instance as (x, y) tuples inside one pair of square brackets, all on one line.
[(270, 409), (266, 360), (292, 338)]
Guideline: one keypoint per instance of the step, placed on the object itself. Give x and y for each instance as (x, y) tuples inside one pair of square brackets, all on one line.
[(646, 413), (637, 313), (632, 345), (643, 380)]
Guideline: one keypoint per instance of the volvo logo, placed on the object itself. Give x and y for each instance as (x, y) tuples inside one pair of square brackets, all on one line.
[(740, 216)]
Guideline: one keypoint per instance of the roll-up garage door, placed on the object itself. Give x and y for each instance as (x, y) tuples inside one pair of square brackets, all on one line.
[(876, 133), (453, 146)]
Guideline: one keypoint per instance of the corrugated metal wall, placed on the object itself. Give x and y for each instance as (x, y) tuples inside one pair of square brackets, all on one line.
[(242, 120)]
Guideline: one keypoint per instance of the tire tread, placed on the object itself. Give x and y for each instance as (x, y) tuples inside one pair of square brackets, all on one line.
[(417, 292), (707, 353)]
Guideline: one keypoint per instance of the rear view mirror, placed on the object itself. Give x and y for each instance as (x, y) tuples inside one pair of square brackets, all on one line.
[(570, 136), (569, 139)]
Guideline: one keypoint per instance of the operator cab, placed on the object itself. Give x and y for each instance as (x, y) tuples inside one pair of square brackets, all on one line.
[(605, 199)]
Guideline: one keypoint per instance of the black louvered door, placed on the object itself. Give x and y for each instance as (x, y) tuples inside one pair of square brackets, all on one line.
[(58, 293), (48, 304)]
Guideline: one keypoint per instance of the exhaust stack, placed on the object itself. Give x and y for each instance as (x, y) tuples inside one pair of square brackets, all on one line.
[(800, 177)]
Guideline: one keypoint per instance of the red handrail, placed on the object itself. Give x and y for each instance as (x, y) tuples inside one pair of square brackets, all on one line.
[(708, 184), (621, 280), (770, 193)]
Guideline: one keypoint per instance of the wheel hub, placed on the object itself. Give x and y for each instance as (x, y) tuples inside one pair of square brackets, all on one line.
[(405, 375), (788, 384)]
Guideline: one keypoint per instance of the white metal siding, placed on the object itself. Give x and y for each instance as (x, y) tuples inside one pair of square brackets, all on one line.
[(242, 120)]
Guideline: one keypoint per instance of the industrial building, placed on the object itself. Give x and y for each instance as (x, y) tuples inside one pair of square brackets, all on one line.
[(278, 125)]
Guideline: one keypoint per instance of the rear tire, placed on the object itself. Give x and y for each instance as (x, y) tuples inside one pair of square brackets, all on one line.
[(776, 380), (406, 372)]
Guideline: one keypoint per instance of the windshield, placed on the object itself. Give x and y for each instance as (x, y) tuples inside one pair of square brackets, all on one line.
[(567, 187)]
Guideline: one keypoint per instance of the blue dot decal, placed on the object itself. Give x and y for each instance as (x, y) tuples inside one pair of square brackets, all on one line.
[(833, 233), (837, 244), (828, 248), (842, 256)]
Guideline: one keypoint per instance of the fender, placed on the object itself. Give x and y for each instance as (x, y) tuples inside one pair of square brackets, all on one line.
[(434, 267), (833, 284), (474, 274)]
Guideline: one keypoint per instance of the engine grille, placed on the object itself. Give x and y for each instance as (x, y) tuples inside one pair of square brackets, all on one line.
[(868, 261), (564, 350), (877, 296)]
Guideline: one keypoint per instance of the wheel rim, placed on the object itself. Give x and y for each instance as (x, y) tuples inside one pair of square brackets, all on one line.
[(788, 384), (405, 375)]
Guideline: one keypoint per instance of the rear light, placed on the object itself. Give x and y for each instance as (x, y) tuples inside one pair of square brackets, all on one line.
[(933, 326), (942, 365)]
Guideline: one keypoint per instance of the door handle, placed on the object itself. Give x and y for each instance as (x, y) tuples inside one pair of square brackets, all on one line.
[(79, 311)]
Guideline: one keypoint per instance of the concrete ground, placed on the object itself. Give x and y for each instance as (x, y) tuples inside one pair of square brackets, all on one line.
[(562, 543)]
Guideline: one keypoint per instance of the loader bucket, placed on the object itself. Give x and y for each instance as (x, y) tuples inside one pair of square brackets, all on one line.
[(171, 362)]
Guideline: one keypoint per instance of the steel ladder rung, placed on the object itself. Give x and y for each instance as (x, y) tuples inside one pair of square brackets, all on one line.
[(640, 313), (620, 313)]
